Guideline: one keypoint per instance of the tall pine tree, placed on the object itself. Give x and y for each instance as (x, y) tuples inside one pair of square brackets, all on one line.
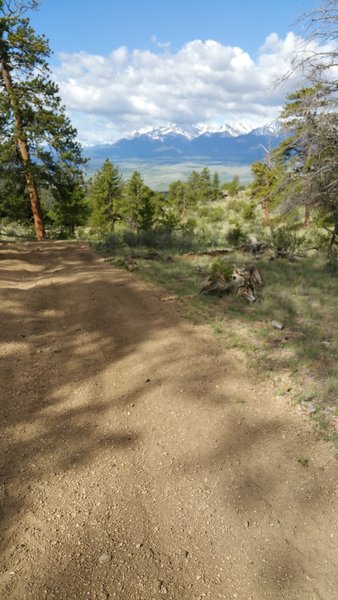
[(35, 131), (310, 152), (105, 197)]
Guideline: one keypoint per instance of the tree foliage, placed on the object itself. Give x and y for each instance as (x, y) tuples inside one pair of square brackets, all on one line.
[(69, 205), (105, 197), (303, 170), (36, 136), (319, 58), (233, 187), (264, 187), (139, 203), (179, 199), (309, 152), (216, 187)]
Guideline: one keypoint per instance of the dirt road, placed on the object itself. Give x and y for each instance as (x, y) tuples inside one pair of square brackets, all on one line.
[(138, 459)]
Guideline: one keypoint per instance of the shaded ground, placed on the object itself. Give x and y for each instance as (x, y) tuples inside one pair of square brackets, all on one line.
[(138, 460)]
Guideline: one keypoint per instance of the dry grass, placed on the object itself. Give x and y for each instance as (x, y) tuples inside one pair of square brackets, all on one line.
[(303, 296)]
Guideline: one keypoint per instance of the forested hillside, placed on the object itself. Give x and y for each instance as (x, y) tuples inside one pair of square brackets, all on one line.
[(41, 169)]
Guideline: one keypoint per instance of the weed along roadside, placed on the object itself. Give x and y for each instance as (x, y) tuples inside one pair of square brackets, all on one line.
[(288, 335)]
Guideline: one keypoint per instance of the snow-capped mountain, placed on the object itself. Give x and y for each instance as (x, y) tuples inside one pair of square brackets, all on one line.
[(193, 131), (241, 127), (170, 144), (271, 129), (161, 133)]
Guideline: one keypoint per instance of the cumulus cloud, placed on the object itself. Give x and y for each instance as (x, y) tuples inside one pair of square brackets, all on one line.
[(202, 82)]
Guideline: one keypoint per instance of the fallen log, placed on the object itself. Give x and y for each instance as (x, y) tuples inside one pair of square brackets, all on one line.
[(208, 253), (217, 285), (244, 281), (152, 256), (289, 255), (255, 248)]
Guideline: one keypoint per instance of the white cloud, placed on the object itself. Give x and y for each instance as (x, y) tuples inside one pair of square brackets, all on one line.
[(159, 44), (202, 82)]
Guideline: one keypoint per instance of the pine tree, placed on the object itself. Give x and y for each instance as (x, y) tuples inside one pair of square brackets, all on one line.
[(318, 63), (133, 199), (264, 186), (205, 192), (105, 197), (34, 126), (233, 186), (310, 152), (215, 186), (178, 199), (193, 186), (147, 209), (139, 203), (311, 119), (69, 205), (14, 201), (299, 150)]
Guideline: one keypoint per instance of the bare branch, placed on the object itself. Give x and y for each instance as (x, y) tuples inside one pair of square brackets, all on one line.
[(17, 8)]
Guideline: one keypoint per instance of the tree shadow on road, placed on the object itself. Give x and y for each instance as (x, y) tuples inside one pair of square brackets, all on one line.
[(94, 364)]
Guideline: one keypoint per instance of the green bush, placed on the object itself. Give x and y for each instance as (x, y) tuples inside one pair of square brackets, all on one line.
[(156, 239), (236, 205), (212, 214), (236, 235), (170, 220), (10, 228), (186, 239), (285, 239), (249, 212), (221, 266), (109, 243), (316, 238)]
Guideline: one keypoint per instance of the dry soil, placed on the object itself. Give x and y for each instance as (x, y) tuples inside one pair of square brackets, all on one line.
[(139, 460)]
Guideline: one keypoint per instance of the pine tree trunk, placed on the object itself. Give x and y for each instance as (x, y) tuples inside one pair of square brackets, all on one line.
[(307, 216), (266, 210), (25, 156)]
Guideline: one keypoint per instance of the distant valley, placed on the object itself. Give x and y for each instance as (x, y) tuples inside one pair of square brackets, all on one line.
[(168, 153)]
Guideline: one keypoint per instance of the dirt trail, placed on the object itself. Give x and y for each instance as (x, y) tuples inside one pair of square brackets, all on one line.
[(138, 459)]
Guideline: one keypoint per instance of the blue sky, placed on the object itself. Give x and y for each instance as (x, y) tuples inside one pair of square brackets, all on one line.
[(126, 65), (102, 25)]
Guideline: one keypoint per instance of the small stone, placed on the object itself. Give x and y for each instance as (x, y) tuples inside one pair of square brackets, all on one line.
[(163, 588), (310, 407), (247, 524), (138, 546), (104, 558), (277, 325)]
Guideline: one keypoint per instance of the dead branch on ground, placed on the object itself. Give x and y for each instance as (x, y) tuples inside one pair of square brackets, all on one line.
[(244, 282)]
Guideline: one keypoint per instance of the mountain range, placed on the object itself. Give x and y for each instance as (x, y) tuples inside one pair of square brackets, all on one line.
[(232, 145)]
